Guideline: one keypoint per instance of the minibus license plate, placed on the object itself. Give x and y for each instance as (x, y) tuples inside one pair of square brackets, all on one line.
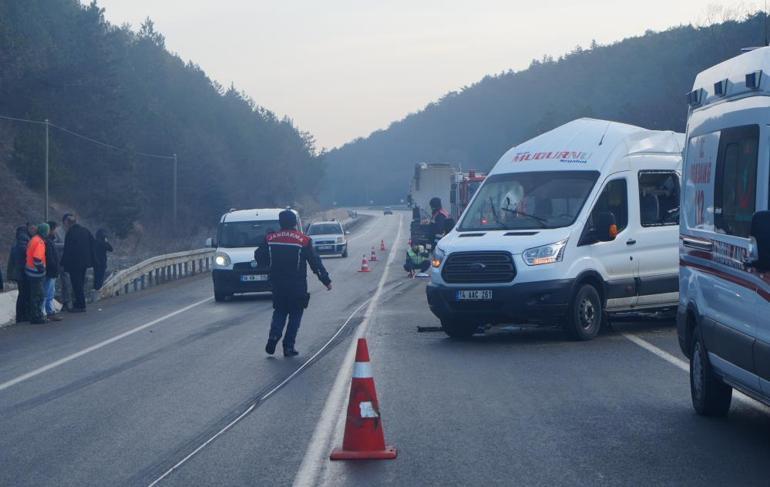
[(475, 295), (254, 277)]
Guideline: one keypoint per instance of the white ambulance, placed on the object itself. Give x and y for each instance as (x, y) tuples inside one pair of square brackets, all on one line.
[(724, 308), (574, 224)]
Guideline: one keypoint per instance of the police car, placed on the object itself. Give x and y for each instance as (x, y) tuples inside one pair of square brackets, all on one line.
[(239, 234), (329, 238)]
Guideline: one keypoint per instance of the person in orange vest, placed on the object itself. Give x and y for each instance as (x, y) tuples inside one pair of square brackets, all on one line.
[(35, 270)]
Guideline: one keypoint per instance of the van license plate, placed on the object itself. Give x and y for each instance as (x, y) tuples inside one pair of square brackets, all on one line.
[(326, 247), (254, 277), (475, 295)]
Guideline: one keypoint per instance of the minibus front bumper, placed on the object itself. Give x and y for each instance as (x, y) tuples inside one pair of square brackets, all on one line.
[(536, 303)]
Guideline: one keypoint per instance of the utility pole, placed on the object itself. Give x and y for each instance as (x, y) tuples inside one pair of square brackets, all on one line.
[(45, 213), (174, 194)]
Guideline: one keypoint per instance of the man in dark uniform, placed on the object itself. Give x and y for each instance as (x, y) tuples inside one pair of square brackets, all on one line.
[(288, 252), (439, 219)]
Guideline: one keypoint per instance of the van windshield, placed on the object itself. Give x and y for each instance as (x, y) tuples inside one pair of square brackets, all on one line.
[(245, 234), (529, 200), (325, 229)]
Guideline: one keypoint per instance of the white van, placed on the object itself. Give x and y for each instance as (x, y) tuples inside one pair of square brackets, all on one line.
[(239, 234), (569, 226), (723, 320)]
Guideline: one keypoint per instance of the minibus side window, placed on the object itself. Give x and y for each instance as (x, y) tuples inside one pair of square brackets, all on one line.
[(658, 198), (614, 199), (735, 188)]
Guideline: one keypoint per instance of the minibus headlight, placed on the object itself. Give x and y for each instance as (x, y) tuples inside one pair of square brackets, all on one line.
[(438, 257), (221, 260), (546, 254)]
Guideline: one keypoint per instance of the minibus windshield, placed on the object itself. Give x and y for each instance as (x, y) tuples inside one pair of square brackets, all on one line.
[(245, 234), (529, 200)]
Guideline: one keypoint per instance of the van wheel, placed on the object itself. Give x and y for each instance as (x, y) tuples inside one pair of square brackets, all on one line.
[(458, 329), (219, 297), (710, 396), (585, 314), (345, 253)]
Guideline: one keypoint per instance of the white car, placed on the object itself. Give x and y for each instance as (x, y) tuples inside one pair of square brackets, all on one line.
[(574, 224), (329, 238), (723, 319), (239, 234)]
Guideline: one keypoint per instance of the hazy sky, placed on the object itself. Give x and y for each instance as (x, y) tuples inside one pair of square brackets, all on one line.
[(344, 68)]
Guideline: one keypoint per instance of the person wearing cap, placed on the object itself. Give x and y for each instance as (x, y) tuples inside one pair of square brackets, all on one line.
[(287, 253), (51, 273), (35, 270), (439, 219)]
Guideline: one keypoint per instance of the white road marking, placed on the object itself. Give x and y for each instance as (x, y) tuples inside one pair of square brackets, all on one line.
[(70, 358), (316, 455), (676, 361), (260, 399)]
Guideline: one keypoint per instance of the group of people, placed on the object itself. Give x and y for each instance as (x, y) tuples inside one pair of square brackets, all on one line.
[(45, 253)]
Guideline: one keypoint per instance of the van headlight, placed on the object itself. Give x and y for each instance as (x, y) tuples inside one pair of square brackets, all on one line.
[(340, 240), (545, 254), (438, 257), (221, 260)]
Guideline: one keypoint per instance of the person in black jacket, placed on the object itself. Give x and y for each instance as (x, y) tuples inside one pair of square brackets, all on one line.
[(287, 253), (101, 247), (77, 258), (15, 272), (51, 274)]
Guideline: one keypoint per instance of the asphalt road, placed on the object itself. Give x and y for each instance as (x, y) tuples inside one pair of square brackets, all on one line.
[(193, 400)]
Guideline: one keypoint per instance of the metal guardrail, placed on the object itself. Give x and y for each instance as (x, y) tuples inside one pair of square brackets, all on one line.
[(157, 270)]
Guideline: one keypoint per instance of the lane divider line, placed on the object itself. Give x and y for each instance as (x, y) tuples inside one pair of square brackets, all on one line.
[(262, 398), (677, 362), (317, 452), (102, 344)]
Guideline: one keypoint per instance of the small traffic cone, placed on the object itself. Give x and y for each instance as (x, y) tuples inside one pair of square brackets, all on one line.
[(382, 246), (364, 438), (373, 258), (364, 265)]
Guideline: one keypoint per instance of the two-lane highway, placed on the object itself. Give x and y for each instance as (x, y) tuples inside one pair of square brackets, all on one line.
[(191, 398)]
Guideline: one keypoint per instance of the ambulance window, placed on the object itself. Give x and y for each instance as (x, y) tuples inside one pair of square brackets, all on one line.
[(614, 199), (658, 198), (735, 188)]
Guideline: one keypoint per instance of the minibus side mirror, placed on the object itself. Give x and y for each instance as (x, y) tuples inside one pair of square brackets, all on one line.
[(606, 228), (210, 242), (760, 231)]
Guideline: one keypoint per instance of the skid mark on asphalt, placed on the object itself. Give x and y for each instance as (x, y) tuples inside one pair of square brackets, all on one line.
[(96, 377), (681, 364)]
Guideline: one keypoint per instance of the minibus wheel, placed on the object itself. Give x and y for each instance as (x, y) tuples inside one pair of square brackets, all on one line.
[(585, 314), (710, 396), (458, 329)]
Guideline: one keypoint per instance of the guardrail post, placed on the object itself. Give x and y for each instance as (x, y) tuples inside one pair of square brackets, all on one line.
[(144, 283)]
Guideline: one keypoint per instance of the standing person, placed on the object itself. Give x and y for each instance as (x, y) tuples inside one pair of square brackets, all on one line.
[(15, 272), (438, 220), (51, 273), (64, 276), (101, 247), (35, 268), (288, 252), (78, 257)]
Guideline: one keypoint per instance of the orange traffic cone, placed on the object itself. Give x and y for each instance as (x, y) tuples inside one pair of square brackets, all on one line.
[(382, 246), (364, 437), (373, 258), (364, 265)]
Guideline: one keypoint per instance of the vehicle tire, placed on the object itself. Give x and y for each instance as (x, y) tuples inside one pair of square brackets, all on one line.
[(219, 297), (345, 253), (458, 329), (710, 396), (585, 316)]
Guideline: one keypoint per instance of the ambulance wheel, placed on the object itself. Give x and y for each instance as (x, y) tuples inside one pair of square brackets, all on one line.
[(710, 396), (585, 314), (458, 329)]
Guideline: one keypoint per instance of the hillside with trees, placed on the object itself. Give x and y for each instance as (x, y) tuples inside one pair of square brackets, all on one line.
[(62, 61), (641, 80)]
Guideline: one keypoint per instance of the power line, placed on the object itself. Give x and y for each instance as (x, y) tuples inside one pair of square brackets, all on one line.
[(89, 139)]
